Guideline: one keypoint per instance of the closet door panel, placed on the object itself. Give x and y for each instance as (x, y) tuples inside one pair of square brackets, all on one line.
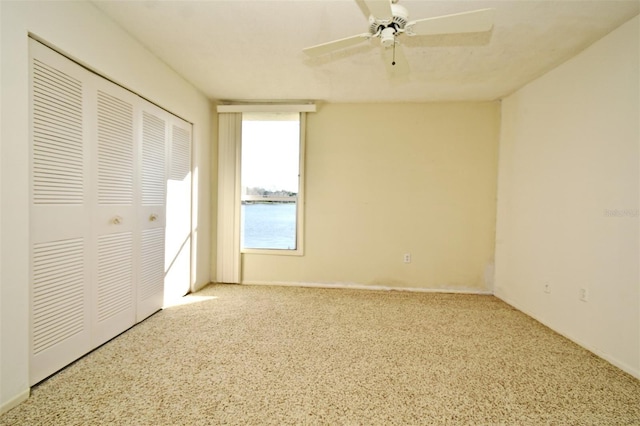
[(178, 227), (60, 328), (114, 311), (151, 282), (57, 128), (151, 218), (114, 199), (59, 214)]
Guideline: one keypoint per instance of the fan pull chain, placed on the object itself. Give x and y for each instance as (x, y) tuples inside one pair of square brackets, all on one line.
[(394, 54)]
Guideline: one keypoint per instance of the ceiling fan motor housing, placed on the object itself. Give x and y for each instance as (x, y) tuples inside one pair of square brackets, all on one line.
[(387, 28)]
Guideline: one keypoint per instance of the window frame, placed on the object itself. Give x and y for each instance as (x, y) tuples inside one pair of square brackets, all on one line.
[(300, 199)]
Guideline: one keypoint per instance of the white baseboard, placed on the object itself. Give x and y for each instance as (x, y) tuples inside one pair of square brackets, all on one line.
[(356, 286), (15, 401), (622, 366), (198, 286)]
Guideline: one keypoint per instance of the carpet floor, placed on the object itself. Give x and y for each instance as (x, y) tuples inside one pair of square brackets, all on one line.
[(283, 355)]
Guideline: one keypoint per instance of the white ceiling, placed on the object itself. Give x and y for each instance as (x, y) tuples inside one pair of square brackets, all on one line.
[(252, 50)]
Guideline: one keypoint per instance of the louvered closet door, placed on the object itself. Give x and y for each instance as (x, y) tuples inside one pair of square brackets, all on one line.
[(114, 218), (178, 227), (59, 214), (154, 133), (98, 194)]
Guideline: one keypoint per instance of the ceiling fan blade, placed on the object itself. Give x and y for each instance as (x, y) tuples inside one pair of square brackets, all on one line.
[(363, 8), (466, 22), (396, 63), (321, 49), (381, 9)]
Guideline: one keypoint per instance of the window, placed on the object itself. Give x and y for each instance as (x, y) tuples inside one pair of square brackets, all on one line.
[(271, 182)]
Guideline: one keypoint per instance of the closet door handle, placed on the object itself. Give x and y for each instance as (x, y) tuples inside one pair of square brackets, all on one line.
[(153, 217), (117, 220)]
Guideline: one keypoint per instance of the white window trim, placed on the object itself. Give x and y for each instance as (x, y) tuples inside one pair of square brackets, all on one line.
[(300, 203)]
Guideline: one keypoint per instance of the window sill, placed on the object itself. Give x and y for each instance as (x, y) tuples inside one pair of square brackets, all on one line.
[(273, 252)]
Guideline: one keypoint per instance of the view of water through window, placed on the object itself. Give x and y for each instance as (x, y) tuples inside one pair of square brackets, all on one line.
[(269, 226), (270, 170)]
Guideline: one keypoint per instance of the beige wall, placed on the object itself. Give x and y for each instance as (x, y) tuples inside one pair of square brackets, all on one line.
[(387, 179), (84, 33), (568, 199)]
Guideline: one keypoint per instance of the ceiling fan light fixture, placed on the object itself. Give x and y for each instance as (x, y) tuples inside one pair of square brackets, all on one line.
[(388, 36)]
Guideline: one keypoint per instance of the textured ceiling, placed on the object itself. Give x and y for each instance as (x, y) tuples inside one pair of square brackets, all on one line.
[(252, 50)]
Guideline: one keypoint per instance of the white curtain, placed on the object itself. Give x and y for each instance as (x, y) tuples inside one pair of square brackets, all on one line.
[(229, 138)]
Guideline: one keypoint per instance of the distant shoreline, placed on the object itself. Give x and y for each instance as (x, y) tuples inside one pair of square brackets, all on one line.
[(248, 202)]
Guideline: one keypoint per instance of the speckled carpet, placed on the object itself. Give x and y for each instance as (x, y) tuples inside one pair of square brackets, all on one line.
[(282, 355)]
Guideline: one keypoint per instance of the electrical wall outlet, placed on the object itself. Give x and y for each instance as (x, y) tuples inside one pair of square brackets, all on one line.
[(547, 288), (407, 258), (583, 294)]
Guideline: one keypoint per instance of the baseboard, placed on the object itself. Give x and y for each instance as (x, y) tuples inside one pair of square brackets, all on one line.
[(622, 366), (198, 286), (15, 401), (356, 286)]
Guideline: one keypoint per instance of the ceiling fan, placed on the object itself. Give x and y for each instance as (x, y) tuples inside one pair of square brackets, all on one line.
[(388, 20)]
